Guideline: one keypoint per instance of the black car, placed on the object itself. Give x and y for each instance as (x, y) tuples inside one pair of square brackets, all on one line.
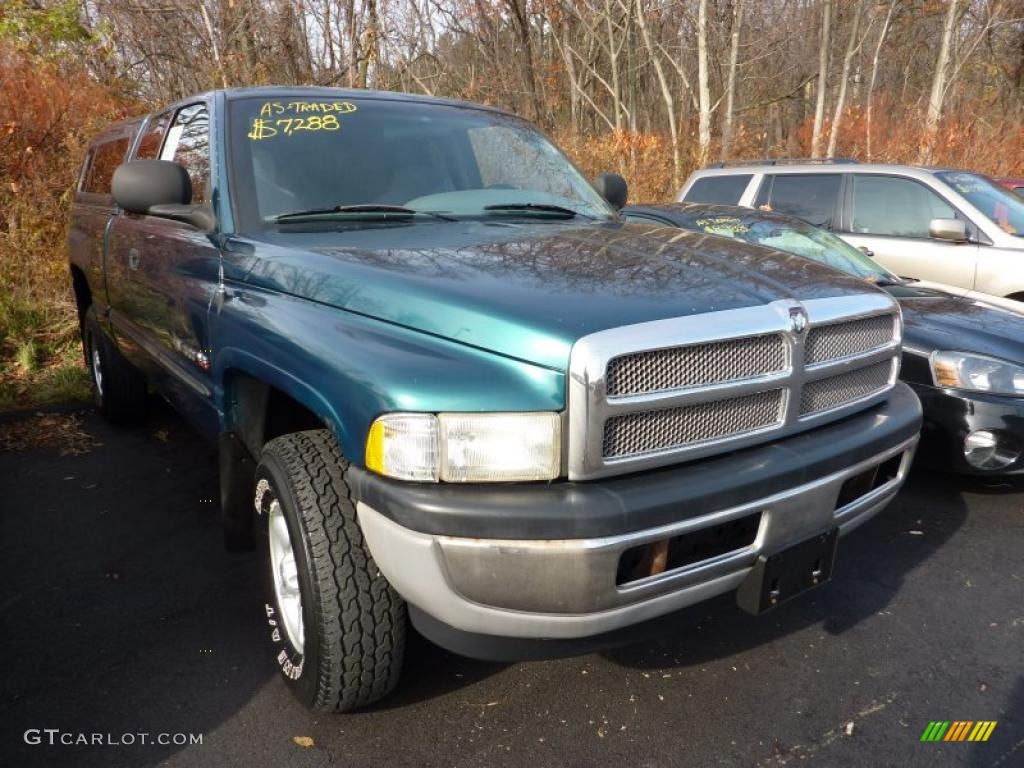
[(964, 357)]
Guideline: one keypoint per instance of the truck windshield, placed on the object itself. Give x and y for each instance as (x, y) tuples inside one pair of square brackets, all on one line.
[(799, 239), (347, 159), (1000, 205)]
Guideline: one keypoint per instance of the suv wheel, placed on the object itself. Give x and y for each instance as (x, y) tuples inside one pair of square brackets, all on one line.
[(337, 626), (119, 390)]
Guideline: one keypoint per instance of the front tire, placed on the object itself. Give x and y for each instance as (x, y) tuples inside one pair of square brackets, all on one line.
[(337, 626), (119, 390)]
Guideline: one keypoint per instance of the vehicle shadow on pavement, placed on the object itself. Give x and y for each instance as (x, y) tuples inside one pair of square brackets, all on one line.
[(1005, 747), (871, 565), (122, 613)]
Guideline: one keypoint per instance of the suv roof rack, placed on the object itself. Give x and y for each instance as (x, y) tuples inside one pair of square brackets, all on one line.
[(783, 161)]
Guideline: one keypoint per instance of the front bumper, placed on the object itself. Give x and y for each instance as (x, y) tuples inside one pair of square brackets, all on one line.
[(950, 415), (464, 572)]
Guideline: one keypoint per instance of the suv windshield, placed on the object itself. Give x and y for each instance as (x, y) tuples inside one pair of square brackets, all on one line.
[(799, 239), (998, 204), (331, 156)]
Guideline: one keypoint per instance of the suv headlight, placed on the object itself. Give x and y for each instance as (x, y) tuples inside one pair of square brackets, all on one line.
[(977, 373), (466, 447)]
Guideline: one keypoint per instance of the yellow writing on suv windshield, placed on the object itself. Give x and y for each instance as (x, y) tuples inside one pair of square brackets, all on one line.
[(277, 118)]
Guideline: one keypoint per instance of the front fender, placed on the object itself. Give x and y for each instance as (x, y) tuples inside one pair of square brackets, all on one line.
[(348, 368)]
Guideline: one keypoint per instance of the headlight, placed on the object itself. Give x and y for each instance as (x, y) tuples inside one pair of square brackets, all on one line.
[(466, 447), (977, 373)]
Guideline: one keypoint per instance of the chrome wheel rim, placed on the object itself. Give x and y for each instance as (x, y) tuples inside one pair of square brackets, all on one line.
[(97, 370), (286, 575)]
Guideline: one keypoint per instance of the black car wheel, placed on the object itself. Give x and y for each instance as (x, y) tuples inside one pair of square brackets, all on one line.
[(337, 626), (119, 389)]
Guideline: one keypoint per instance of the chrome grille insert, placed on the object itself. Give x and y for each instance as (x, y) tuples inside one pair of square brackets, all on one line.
[(647, 431), (835, 391), (678, 367), (843, 339), (666, 391)]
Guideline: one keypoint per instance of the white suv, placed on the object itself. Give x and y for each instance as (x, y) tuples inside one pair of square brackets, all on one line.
[(953, 227)]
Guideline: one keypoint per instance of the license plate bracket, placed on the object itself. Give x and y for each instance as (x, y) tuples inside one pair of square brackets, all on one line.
[(783, 575)]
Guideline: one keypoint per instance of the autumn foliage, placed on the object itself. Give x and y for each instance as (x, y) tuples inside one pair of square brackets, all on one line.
[(47, 114), (68, 67)]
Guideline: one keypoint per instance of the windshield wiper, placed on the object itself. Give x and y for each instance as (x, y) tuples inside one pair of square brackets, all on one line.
[(369, 208), (540, 207), (885, 282)]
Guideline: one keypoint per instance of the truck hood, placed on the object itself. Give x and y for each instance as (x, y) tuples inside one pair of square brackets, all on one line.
[(528, 291), (937, 319)]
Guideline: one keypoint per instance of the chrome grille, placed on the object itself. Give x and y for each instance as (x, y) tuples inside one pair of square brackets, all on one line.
[(660, 430), (671, 390), (836, 340), (675, 368), (835, 391)]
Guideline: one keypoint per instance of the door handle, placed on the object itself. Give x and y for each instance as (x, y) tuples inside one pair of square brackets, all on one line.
[(133, 258)]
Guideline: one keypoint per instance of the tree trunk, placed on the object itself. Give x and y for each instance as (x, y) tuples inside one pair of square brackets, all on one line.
[(874, 76), (522, 24), (730, 87), (819, 108), (938, 92), (851, 49), (613, 60), (666, 93), (704, 90)]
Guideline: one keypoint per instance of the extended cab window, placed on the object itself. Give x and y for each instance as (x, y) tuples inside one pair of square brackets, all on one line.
[(101, 163), (811, 196), (726, 190), (889, 205), (188, 145)]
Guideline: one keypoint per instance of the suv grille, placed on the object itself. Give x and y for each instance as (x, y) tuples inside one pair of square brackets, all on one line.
[(688, 392), (679, 367)]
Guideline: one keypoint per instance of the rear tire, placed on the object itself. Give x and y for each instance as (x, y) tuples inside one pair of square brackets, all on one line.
[(119, 389), (337, 626)]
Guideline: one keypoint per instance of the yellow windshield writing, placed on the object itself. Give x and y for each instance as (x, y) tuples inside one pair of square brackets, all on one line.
[(279, 118)]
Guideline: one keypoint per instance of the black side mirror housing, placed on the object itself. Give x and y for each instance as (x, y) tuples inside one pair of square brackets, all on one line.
[(613, 188), (159, 188)]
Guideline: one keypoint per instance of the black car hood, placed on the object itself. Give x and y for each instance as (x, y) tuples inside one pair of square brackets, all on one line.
[(529, 290), (937, 320)]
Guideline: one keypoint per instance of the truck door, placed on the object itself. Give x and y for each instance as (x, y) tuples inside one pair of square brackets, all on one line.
[(167, 274), (889, 216)]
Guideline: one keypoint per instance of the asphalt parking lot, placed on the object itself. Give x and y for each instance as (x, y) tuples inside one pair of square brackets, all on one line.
[(122, 614)]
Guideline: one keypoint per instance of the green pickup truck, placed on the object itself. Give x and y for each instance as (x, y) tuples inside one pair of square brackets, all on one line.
[(452, 387)]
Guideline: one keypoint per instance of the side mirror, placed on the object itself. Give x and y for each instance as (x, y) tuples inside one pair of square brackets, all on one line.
[(612, 188), (953, 230), (159, 188)]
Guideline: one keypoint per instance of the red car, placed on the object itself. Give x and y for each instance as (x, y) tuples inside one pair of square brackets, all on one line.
[(1013, 183)]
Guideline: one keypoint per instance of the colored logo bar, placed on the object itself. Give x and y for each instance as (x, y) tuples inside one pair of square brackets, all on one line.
[(958, 730)]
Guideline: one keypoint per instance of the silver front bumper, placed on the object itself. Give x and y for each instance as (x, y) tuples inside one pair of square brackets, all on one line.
[(566, 588)]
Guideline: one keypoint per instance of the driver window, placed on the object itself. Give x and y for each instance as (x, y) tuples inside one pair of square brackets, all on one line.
[(188, 145), (889, 205)]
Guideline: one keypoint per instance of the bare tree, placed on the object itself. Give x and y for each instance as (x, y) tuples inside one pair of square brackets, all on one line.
[(730, 87), (823, 57), (704, 89), (851, 48), (938, 91), (869, 109)]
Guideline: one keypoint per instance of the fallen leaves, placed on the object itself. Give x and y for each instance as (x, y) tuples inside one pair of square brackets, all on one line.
[(47, 430), (304, 741)]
